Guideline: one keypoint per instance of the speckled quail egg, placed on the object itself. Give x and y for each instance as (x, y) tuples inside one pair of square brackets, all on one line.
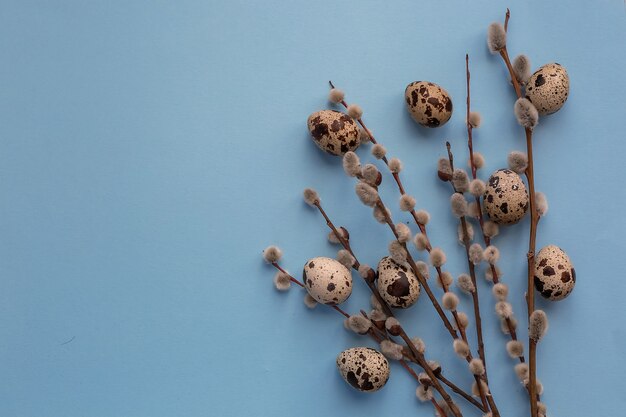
[(548, 88), (506, 198), (327, 280), (364, 368), (334, 132), (429, 104), (397, 284), (555, 276)]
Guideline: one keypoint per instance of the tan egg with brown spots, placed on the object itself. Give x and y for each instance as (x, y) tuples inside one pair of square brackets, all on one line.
[(506, 198), (327, 280), (334, 132), (365, 369), (429, 104), (555, 276), (397, 284), (548, 88)]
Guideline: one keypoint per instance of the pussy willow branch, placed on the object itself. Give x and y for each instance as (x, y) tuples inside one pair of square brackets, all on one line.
[(387, 310), (421, 226), (486, 239), (379, 335), (485, 397), (472, 272), (396, 176), (534, 220)]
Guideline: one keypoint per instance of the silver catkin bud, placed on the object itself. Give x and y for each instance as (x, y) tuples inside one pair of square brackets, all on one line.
[(526, 113)]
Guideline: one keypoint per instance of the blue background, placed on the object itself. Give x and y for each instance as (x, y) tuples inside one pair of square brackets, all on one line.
[(150, 150)]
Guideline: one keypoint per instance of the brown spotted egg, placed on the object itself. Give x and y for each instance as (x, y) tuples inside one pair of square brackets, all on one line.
[(397, 284), (548, 88), (429, 104), (327, 280), (506, 198), (555, 276), (364, 368), (334, 132)]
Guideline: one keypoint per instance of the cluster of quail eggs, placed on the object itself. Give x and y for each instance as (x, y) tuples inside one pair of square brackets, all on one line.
[(330, 282), (336, 133), (506, 202)]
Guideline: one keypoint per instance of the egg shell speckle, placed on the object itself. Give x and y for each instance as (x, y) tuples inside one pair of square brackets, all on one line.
[(397, 284), (555, 276), (334, 132), (506, 198), (429, 104), (365, 369), (548, 88), (327, 280)]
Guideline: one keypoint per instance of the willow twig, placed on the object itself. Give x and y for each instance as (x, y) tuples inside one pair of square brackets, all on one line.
[(534, 220)]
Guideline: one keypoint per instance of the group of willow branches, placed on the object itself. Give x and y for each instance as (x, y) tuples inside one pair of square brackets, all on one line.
[(480, 208)]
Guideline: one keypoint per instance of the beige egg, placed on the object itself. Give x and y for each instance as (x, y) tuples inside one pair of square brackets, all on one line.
[(397, 284), (327, 280), (334, 132), (364, 368), (429, 104), (506, 198), (555, 276), (548, 88)]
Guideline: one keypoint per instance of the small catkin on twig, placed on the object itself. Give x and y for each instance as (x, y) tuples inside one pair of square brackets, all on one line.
[(407, 203), (526, 113), (404, 233), (355, 111), (272, 254), (282, 281), (437, 257), (397, 252), (336, 96), (370, 174), (465, 283), (379, 151), (515, 348), (477, 367), (311, 197), (518, 161), (391, 350), (521, 68), (345, 258), (351, 164), (496, 37), (359, 324), (367, 194), (538, 325), (461, 348)]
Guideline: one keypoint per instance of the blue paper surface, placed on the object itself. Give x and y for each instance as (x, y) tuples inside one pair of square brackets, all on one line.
[(149, 151)]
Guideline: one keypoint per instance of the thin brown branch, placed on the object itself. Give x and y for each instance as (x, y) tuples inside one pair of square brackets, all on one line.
[(418, 355), (530, 296)]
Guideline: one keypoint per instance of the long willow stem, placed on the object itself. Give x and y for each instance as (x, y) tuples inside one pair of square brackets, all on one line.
[(422, 228), (421, 361), (486, 397), (534, 220), (378, 338)]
